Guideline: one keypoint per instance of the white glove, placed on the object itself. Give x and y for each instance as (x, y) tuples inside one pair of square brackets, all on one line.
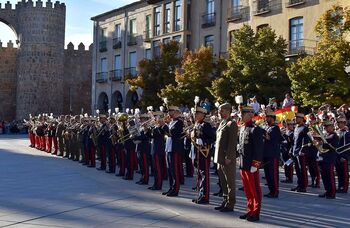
[(199, 141), (253, 169)]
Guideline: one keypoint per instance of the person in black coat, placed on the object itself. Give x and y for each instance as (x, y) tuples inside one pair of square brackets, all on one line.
[(343, 158), (328, 157), (271, 154), (286, 147)]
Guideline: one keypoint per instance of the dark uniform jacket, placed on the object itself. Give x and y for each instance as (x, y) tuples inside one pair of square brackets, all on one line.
[(157, 135), (272, 142), (176, 133), (60, 129), (251, 146), (331, 145), (301, 139), (144, 145), (205, 132), (344, 139)]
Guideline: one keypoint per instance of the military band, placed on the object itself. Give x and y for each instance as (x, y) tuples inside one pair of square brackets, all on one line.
[(163, 144)]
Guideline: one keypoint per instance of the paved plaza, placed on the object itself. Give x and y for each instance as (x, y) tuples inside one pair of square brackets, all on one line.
[(41, 190)]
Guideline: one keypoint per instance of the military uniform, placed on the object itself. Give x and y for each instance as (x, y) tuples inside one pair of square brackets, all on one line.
[(102, 140), (286, 147), (342, 162)]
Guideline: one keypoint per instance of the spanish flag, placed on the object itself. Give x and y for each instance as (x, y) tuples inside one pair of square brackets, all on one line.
[(286, 113)]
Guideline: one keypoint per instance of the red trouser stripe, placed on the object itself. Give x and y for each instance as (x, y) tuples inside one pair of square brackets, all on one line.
[(145, 168), (176, 172), (275, 175), (207, 183), (251, 183), (158, 171), (332, 179), (303, 170)]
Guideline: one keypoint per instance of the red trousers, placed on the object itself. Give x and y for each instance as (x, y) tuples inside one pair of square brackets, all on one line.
[(32, 139), (252, 190)]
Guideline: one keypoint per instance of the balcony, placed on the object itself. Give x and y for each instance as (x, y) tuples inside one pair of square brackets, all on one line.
[(132, 40), (130, 72), (153, 1), (293, 3), (102, 77), (147, 36), (117, 43), (208, 20), (261, 7), (301, 47), (234, 14), (103, 46), (117, 75)]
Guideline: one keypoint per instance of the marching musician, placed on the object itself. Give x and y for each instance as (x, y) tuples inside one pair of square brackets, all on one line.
[(143, 150), (328, 159), (91, 144), (110, 147), (120, 148), (343, 157), (312, 156), (174, 148), (225, 157), (300, 147), (102, 139), (251, 148), (157, 134), (271, 154), (286, 150), (202, 137), (66, 136)]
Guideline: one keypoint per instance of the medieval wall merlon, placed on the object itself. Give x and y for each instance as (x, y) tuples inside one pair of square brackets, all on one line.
[(81, 47), (40, 4), (9, 45)]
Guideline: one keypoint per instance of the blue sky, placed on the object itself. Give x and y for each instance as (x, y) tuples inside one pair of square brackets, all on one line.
[(79, 27)]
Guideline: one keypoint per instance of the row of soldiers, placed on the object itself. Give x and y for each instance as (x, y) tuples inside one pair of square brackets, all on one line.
[(161, 143)]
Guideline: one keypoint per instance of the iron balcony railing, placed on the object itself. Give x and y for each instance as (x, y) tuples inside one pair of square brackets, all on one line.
[(208, 20), (292, 3), (103, 46), (301, 46), (261, 7), (117, 43), (147, 36), (132, 40), (234, 13), (130, 72), (102, 77), (117, 75)]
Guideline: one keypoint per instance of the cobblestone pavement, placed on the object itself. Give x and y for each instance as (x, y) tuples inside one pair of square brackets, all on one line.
[(41, 190)]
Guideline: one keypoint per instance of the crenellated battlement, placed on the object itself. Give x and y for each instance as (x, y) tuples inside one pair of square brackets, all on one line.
[(9, 45), (81, 47), (31, 4)]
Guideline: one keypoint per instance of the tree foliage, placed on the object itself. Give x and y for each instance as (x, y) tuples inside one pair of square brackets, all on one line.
[(322, 78), (256, 66), (193, 78), (154, 74)]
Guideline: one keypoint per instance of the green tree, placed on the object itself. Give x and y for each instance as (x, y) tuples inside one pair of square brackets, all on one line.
[(256, 66), (322, 78), (155, 73), (193, 79)]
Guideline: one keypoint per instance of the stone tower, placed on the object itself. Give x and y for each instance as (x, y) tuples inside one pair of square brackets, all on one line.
[(40, 61)]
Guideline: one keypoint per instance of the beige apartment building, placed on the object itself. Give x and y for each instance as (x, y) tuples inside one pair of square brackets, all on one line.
[(124, 36)]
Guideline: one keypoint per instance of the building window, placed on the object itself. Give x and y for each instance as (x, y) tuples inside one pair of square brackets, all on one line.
[(262, 26), (178, 15), (296, 34), (157, 21), (117, 31), (209, 16), (103, 34), (156, 48), (148, 27), (133, 30), (166, 40), (102, 76), (117, 72), (117, 62), (235, 4), (104, 65), (209, 42), (178, 40), (167, 18), (103, 40), (210, 6), (132, 64), (148, 53)]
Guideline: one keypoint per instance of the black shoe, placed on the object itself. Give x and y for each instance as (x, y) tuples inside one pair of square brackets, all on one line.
[(172, 194), (241, 188), (217, 193), (165, 193), (294, 189), (101, 168), (127, 178), (202, 201), (143, 183), (286, 181), (120, 175), (109, 171), (270, 195), (341, 191), (226, 209), (330, 197), (218, 208), (245, 216), (322, 195), (301, 190), (154, 188), (253, 218)]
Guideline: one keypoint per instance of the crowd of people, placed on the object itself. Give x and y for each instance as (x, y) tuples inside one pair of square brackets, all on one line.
[(172, 145)]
